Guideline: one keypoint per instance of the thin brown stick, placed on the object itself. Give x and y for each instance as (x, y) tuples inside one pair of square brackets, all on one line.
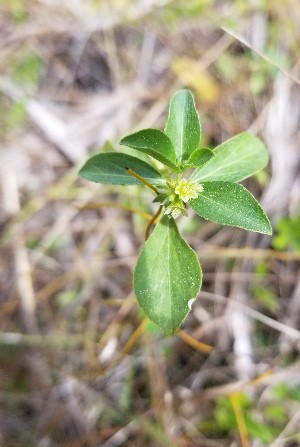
[(93, 206), (260, 54), (152, 221), (191, 341), (253, 253), (236, 405), (141, 179)]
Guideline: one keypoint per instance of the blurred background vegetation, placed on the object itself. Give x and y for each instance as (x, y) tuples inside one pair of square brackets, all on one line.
[(79, 364)]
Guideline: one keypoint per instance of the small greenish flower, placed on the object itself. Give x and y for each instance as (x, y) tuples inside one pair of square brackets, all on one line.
[(187, 190), (175, 209), (175, 194)]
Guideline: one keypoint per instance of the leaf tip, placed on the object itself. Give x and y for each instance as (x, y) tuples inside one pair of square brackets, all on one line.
[(81, 172), (269, 231)]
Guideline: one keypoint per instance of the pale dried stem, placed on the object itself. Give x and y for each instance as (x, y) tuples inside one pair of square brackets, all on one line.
[(23, 280)]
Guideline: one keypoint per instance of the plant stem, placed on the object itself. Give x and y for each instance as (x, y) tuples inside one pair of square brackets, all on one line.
[(141, 179), (89, 206), (191, 341), (149, 226), (236, 404)]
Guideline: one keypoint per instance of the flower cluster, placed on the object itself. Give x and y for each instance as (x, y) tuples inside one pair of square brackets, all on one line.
[(176, 194), (187, 190)]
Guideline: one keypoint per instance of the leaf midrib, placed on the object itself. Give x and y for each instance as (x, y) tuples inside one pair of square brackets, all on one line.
[(183, 127)]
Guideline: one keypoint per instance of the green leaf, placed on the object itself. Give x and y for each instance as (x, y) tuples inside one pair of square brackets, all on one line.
[(288, 233), (155, 143), (167, 276), (266, 297), (276, 413), (231, 204), (111, 168), (28, 69), (262, 431), (183, 125), (199, 158), (234, 160)]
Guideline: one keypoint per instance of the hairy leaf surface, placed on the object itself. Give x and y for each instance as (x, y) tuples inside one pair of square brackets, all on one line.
[(199, 158), (111, 168), (153, 142), (231, 204), (167, 276), (183, 125), (234, 160)]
